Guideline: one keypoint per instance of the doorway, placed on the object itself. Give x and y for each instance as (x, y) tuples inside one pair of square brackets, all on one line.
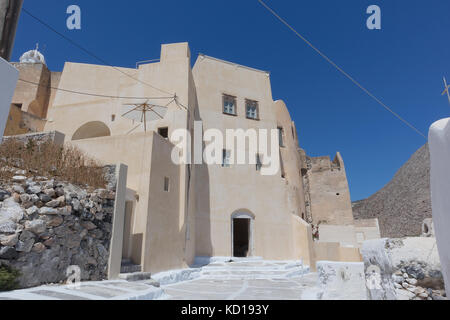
[(241, 238)]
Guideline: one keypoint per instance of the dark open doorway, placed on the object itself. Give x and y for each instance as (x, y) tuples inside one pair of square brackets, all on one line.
[(241, 237)]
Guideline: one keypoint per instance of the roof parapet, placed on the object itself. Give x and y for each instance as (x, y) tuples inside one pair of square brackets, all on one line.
[(203, 56)]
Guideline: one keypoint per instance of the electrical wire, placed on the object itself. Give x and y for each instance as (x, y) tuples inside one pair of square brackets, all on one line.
[(370, 94)]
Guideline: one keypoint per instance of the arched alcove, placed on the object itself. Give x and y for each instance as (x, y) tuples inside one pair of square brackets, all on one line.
[(94, 129)]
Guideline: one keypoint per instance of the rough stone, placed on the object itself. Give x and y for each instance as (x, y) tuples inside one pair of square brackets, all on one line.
[(25, 198), (61, 199), (50, 192), (4, 194), (53, 204), (11, 210), (404, 294), (54, 221), (38, 247), (10, 240), (88, 225), (24, 246), (8, 253), (26, 235), (65, 211), (32, 210), (36, 226), (7, 226), (76, 204), (19, 179), (48, 211), (34, 189)]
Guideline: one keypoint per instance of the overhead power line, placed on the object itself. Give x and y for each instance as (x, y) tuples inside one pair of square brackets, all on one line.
[(93, 94), (89, 52), (341, 70)]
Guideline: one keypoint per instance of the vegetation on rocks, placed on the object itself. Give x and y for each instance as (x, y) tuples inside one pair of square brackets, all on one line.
[(49, 159), (8, 278)]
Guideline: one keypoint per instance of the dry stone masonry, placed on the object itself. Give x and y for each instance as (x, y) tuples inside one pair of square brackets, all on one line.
[(407, 269), (47, 225)]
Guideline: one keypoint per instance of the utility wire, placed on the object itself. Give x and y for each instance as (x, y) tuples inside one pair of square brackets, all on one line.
[(93, 94), (341, 70), (89, 52)]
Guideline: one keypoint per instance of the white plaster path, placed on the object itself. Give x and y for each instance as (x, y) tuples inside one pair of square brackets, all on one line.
[(245, 280), (241, 280)]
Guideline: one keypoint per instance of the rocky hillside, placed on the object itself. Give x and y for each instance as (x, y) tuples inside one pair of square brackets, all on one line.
[(403, 204), (48, 225)]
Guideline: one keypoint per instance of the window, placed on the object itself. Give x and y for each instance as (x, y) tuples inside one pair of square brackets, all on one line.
[(166, 184), (113, 117), (251, 108), (226, 155), (164, 132), (258, 162), (281, 136), (229, 105)]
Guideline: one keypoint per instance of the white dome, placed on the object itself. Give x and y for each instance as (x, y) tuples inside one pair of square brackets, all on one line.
[(32, 56)]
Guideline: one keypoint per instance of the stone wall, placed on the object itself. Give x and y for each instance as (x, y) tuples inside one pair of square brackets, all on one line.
[(329, 194), (40, 137), (47, 225), (403, 269)]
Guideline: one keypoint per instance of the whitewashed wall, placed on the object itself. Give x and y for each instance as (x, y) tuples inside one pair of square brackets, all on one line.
[(439, 140), (8, 81)]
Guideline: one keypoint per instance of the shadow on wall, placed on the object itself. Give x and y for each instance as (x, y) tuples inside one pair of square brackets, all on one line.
[(203, 242)]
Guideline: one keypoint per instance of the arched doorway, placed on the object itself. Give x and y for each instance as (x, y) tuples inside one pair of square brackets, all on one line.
[(90, 130), (242, 230)]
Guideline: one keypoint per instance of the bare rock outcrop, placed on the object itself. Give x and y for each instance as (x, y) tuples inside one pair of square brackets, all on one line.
[(404, 203)]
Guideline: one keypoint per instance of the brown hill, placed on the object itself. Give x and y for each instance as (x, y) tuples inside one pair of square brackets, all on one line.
[(403, 204)]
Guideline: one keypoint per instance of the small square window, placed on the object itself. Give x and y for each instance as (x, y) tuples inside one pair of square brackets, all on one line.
[(164, 132), (251, 108), (226, 156), (166, 184), (229, 105)]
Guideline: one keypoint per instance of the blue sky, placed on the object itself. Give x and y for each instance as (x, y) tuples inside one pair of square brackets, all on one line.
[(402, 64)]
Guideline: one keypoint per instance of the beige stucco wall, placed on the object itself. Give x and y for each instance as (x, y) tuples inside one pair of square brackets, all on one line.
[(350, 235), (303, 244), (333, 251), (161, 237), (222, 192), (33, 98)]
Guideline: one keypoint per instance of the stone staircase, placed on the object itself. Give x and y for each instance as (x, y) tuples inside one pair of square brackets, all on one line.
[(132, 272), (254, 269), (128, 266)]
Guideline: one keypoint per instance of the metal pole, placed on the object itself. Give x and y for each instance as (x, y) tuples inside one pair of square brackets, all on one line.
[(9, 17)]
